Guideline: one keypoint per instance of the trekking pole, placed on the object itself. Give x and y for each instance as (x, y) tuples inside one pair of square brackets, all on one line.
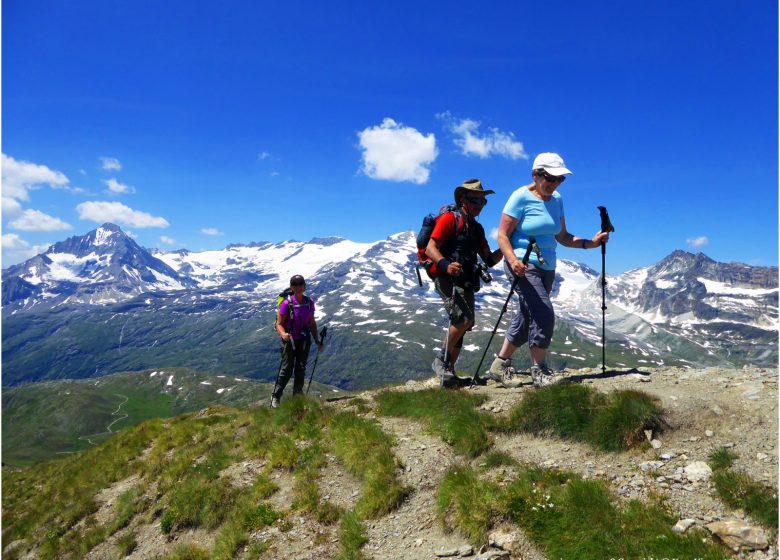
[(606, 226), (323, 332), (532, 246)]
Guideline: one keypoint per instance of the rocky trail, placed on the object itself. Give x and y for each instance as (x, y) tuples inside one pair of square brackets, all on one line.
[(706, 409)]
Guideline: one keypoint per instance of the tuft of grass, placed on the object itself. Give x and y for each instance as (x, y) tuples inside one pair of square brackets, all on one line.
[(282, 452), (300, 416), (565, 410), (622, 422), (188, 552), (574, 518), (740, 491), (467, 502), (247, 515), (127, 543), (493, 459), (256, 549), (613, 422), (367, 452), (450, 414), (129, 504), (722, 459), (352, 536), (198, 502)]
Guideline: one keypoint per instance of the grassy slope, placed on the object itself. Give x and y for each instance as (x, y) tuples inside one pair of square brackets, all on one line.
[(43, 420)]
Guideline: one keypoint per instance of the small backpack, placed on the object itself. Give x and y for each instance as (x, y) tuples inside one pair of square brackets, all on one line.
[(428, 224)]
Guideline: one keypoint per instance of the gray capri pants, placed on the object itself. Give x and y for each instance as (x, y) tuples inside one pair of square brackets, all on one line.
[(535, 318)]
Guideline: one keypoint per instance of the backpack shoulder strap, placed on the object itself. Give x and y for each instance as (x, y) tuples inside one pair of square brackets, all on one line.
[(460, 222), (290, 305)]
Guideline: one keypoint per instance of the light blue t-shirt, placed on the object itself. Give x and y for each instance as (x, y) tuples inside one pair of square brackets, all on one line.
[(538, 219)]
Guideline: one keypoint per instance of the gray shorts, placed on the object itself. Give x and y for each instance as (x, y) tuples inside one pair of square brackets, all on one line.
[(534, 319), (459, 308)]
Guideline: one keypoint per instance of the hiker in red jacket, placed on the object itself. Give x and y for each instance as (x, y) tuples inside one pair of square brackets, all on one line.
[(456, 242)]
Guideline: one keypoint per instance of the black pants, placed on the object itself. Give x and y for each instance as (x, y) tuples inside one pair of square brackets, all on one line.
[(293, 363)]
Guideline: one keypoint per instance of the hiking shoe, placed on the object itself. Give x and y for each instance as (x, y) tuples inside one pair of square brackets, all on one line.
[(274, 402), (510, 381), (500, 368), (543, 376)]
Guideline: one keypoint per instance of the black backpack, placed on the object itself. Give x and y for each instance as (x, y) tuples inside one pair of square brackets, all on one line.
[(424, 236)]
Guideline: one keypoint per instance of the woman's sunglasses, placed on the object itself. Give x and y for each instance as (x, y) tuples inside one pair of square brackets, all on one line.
[(297, 283), (552, 178)]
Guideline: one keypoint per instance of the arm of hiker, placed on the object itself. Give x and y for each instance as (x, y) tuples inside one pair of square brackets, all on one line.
[(434, 252), (570, 240), (285, 336), (505, 228), (490, 258), (313, 328)]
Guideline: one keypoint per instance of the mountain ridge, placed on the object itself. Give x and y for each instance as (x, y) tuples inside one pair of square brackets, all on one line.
[(88, 306)]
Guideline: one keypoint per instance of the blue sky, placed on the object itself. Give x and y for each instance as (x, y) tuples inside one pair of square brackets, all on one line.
[(199, 124)]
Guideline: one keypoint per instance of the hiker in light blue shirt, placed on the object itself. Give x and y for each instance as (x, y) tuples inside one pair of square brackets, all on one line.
[(536, 218), (535, 210)]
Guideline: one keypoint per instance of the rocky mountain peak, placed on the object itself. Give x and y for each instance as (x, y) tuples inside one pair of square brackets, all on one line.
[(108, 238)]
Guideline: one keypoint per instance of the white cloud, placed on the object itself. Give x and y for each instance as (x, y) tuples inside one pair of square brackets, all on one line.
[(118, 213), (12, 241), (110, 164), (167, 240), (394, 152), (16, 249), (494, 233), (19, 177), (263, 155), (211, 231), (115, 187), (11, 208), (472, 143), (35, 220), (698, 242)]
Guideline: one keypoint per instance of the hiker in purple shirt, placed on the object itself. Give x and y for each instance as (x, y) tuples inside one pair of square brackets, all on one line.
[(295, 325)]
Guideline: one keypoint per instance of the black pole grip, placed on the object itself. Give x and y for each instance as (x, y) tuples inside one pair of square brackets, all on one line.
[(606, 224), (531, 244)]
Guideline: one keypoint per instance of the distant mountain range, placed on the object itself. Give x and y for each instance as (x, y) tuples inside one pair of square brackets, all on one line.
[(100, 303)]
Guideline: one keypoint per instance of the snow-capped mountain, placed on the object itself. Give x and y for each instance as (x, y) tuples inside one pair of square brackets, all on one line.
[(100, 303), (103, 266)]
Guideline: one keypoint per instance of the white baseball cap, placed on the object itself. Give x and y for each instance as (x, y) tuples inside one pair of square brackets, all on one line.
[(551, 163)]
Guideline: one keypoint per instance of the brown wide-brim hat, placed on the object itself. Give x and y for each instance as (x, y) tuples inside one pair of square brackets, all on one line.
[(471, 185)]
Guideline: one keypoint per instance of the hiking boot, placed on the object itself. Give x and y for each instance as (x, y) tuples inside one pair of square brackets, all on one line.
[(543, 376), (510, 381), (500, 368), (274, 402)]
